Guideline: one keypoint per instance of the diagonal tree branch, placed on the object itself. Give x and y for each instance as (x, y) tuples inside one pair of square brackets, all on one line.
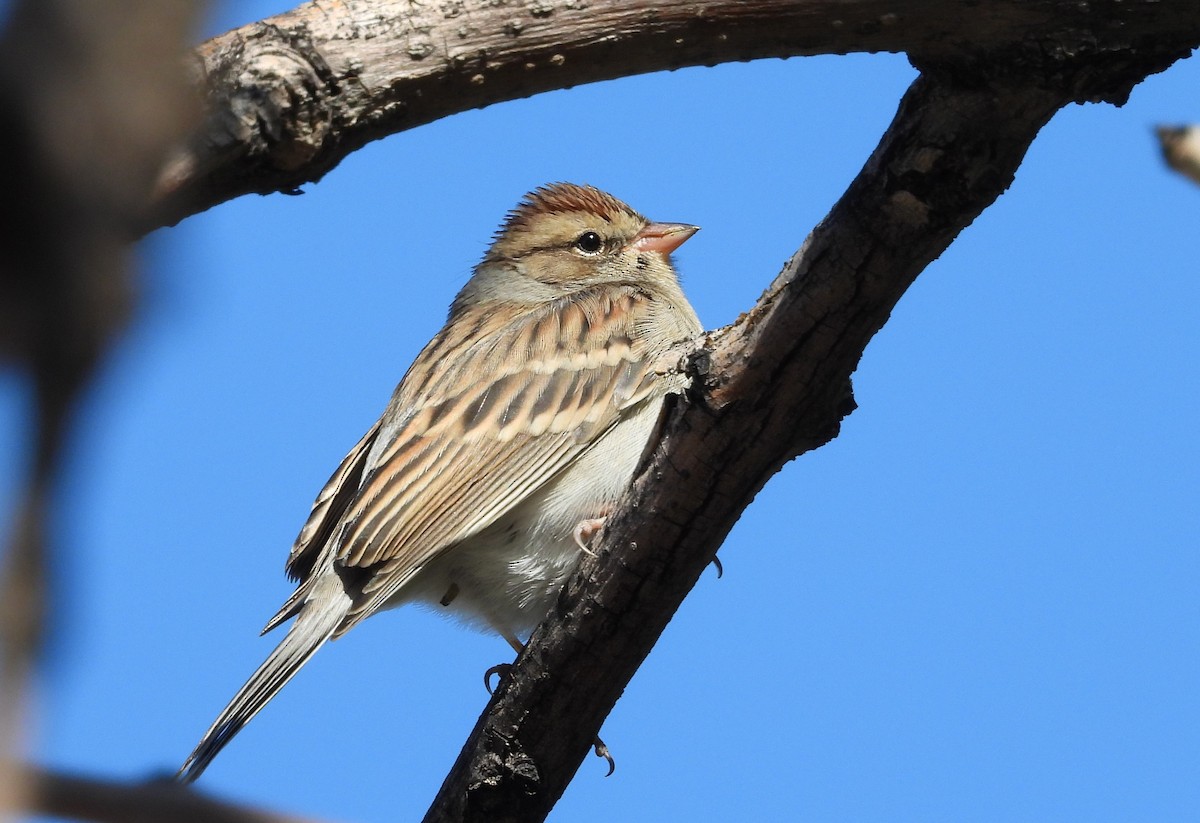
[(291, 96), (774, 385)]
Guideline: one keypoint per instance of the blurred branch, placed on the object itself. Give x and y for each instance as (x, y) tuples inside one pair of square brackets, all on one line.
[(291, 96), (81, 798), (1181, 149), (92, 95), (772, 386)]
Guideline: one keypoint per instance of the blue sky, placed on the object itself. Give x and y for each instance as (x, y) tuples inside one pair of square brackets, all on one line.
[(979, 603)]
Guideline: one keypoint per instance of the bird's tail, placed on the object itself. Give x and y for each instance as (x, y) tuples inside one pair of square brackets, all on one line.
[(326, 607)]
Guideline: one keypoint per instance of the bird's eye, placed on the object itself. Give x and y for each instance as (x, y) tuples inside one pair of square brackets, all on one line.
[(589, 242)]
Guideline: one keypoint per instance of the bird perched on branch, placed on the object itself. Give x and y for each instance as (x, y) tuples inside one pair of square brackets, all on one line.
[(505, 445)]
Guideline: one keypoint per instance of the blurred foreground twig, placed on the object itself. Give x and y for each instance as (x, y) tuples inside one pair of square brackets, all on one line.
[(92, 93)]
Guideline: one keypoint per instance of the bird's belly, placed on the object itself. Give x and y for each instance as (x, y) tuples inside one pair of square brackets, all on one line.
[(508, 576)]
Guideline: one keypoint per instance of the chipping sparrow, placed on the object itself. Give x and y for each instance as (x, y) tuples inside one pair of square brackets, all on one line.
[(504, 446)]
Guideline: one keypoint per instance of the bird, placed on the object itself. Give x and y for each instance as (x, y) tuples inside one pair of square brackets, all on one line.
[(503, 448)]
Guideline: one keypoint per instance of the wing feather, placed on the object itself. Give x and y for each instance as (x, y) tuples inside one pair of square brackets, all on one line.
[(490, 411), (326, 509)]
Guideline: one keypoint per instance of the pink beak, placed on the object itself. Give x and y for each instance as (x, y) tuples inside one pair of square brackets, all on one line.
[(663, 237)]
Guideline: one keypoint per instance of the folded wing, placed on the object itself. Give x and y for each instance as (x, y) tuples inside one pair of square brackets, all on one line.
[(472, 431)]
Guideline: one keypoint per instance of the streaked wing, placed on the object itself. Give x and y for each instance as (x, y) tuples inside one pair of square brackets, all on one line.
[(317, 535), (331, 501), (474, 429)]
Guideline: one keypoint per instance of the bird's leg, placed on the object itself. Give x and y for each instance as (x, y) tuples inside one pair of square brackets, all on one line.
[(503, 669), (511, 639)]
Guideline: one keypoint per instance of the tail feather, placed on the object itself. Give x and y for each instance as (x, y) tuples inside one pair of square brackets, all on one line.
[(326, 607)]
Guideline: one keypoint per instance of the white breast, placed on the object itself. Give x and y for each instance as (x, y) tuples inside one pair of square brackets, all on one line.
[(507, 577)]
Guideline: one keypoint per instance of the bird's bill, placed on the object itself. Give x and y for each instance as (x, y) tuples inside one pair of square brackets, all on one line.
[(663, 237)]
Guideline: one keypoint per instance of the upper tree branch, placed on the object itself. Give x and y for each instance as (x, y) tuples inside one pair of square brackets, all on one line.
[(291, 96)]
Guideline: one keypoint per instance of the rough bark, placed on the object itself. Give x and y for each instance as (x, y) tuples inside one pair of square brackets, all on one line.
[(289, 97)]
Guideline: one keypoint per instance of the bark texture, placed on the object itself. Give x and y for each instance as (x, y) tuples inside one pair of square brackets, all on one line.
[(289, 97)]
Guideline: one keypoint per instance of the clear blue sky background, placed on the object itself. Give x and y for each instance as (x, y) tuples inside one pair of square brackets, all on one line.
[(980, 602)]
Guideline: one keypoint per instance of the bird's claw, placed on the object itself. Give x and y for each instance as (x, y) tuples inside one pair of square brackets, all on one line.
[(585, 531), (716, 561), (602, 751), (500, 670)]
